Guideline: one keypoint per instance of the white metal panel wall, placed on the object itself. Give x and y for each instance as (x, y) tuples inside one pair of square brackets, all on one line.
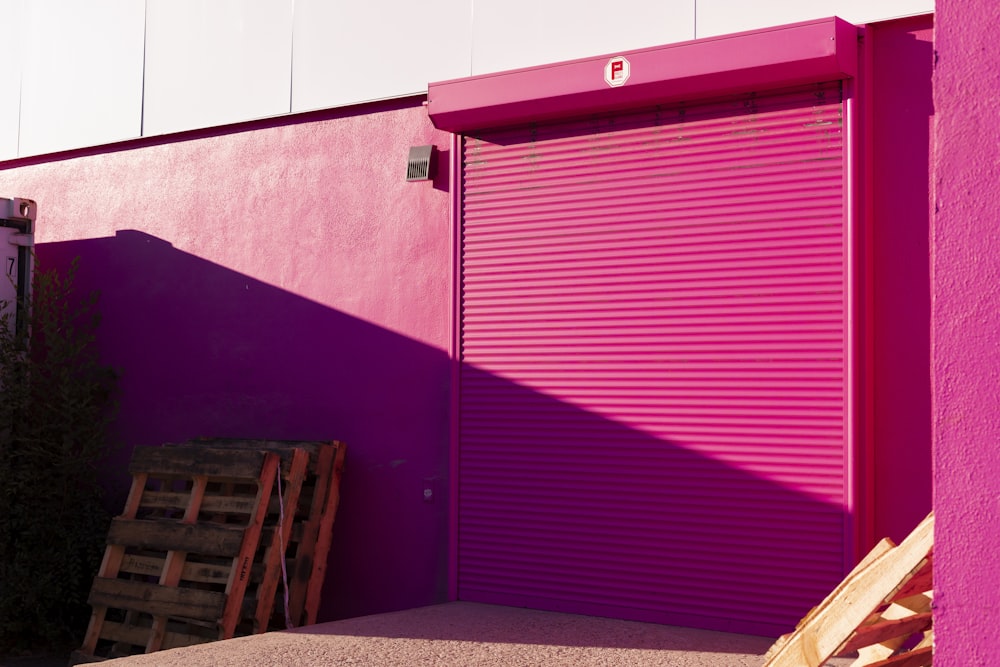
[(10, 78), (81, 80), (225, 61), (654, 393), (508, 34), (348, 51), (721, 17), (212, 63)]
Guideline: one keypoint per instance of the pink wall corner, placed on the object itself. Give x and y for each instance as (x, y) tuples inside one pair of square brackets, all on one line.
[(966, 331), (280, 279), (901, 114)]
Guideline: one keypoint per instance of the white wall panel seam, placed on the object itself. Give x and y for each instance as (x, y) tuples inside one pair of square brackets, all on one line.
[(20, 82), (145, 48)]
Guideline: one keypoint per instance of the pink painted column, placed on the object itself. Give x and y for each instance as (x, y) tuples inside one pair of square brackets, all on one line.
[(965, 311)]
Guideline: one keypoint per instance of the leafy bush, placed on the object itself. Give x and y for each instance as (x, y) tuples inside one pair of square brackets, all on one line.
[(55, 409)]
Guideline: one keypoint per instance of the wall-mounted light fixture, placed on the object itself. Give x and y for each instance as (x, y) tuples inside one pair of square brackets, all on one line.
[(420, 166)]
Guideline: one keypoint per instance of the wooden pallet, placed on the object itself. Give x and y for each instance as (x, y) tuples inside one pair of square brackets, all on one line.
[(306, 538), (199, 551), (180, 556), (882, 611)]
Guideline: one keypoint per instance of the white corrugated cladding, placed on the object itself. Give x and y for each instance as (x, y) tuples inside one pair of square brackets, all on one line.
[(654, 385)]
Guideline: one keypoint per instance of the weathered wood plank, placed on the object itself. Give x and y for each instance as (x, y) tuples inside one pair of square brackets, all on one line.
[(152, 566), (219, 504), (157, 600), (196, 460), (242, 568), (321, 552), (281, 447), (307, 531), (204, 538)]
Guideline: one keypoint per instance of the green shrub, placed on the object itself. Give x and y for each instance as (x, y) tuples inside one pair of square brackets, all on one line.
[(55, 409)]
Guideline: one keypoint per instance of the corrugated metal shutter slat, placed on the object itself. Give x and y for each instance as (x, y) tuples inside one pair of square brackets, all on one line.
[(653, 390)]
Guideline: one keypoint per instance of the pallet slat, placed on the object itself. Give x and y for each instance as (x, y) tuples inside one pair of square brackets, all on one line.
[(320, 535), (172, 500), (157, 600), (207, 539), (152, 566), (242, 566), (187, 460)]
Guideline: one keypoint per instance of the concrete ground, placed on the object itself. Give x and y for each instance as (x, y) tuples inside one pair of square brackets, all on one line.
[(469, 635)]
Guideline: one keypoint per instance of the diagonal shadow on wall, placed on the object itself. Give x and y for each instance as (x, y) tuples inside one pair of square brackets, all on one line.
[(207, 351)]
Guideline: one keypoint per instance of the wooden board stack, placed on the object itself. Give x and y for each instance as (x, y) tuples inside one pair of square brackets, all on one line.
[(882, 611), (207, 531)]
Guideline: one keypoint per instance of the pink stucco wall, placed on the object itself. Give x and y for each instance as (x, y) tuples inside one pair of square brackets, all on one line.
[(279, 279), (966, 331)]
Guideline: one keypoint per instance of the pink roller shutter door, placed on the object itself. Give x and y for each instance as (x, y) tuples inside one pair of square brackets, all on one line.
[(654, 386)]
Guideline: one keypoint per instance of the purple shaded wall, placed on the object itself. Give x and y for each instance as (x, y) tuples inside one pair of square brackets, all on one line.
[(279, 280), (901, 116), (966, 332)]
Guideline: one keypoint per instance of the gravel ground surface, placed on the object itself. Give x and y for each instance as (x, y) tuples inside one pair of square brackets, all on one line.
[(463, 634), (470, 635)]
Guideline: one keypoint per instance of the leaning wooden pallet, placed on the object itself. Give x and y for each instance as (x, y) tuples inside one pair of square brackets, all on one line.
[(882, 610), (172, 576), (305, 539)]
